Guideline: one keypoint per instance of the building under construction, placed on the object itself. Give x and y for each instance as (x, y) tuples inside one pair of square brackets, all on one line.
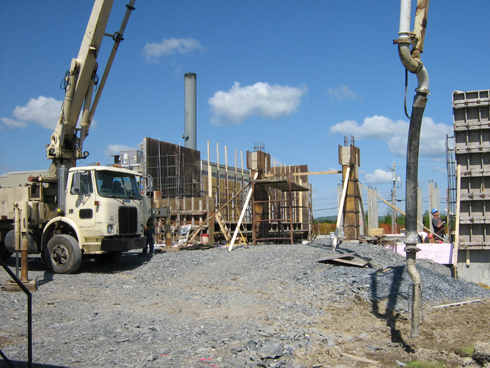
[(213, 198)]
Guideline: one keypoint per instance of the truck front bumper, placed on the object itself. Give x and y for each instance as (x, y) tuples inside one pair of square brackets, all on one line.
[(122, 244)]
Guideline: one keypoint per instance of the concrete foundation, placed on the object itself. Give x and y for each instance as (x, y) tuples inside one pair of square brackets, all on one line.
[(474, 266)]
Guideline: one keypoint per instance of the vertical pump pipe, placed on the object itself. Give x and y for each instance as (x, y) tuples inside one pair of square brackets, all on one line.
[(410, 58)]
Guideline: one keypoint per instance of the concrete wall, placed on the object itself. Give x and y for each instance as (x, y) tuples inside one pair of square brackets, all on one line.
[(477, 269)]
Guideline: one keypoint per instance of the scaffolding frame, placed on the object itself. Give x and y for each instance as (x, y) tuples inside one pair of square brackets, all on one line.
[(451, 183), (281, 206)]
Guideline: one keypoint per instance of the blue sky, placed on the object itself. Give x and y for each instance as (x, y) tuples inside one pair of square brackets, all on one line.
[(296, 75)]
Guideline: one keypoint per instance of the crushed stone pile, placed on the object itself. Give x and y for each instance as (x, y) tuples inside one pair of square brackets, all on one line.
[(254, 306)]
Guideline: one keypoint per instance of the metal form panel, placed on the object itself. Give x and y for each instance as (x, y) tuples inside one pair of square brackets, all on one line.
[(472, 151), (176, 170)]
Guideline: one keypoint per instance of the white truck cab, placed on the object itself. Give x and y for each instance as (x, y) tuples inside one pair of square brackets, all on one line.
[(105, 214)]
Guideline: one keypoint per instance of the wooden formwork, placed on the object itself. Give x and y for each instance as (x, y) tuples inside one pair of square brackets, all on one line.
[(198, 190)]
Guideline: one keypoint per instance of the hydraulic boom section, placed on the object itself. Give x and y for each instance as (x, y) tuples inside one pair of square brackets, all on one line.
[(66, 146)]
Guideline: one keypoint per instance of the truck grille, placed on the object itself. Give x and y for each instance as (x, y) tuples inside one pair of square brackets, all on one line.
[(128, 220)]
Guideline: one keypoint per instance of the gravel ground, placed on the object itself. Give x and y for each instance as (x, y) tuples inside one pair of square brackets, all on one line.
[(255, 306)]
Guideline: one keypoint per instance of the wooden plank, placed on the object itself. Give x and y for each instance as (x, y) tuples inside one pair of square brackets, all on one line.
[(361, 359), (341, 209), (213, 215), (245, 205), (222, 225), (377, 232), (461, 303), (308, 173), (364, 227)]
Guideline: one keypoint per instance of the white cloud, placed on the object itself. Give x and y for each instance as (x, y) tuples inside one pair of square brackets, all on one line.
[(170, 46), (4, 169), (433, 137), (43, 111), (342, 93), (115, 149), (275, 161), (12, 124), (441, 169), (261, 99), (377, 127), (395, 133), (379, 176)]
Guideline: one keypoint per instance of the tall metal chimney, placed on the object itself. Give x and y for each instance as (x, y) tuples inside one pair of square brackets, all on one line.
[(190, 124)]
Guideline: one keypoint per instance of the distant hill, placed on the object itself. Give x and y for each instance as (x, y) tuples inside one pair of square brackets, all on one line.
[(326, 219)]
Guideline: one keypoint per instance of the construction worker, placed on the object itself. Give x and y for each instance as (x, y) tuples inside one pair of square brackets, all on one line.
[(424, 237), (438, 225), (149, 232)]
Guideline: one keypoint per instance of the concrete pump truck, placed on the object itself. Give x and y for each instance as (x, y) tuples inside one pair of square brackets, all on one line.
[(74, 212)]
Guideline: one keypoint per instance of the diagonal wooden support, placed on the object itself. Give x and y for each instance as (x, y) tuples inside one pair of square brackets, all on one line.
[(341, 209), (222, 225), (245, 205)]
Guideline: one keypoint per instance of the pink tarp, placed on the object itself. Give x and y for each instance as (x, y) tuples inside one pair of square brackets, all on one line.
[(438, 252)]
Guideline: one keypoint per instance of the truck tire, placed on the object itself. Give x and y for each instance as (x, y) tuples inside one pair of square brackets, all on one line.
[(63, 254), (4, 253), (108, 258)]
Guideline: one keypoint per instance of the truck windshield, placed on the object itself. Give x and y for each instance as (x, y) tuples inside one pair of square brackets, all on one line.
[(117, 185)]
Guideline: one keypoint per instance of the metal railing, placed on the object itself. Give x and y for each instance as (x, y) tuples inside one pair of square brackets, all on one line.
[(29, 316)]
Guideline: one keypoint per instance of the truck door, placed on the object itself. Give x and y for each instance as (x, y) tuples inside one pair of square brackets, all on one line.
[(81, 198)]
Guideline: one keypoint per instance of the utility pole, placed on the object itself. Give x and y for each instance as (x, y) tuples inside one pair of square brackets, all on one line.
[(393, 199)]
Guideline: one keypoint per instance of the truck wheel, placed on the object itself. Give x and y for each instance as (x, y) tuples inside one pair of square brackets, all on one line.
[(63, 254), (4, 253), (107, 258)]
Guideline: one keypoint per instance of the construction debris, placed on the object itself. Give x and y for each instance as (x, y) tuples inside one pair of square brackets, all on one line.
[(347, 258)]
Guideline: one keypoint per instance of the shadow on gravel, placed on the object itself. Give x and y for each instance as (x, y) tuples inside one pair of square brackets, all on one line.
[(47, 277), (18, 364), (128, 261), (389, 315), (320, 246), (34, 263)]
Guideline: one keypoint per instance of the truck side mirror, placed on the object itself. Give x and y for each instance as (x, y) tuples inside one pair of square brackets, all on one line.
[(146, 186), (149, 186), (75, 184)]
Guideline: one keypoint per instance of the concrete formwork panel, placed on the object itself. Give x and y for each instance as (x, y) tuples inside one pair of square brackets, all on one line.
[(472, 151)]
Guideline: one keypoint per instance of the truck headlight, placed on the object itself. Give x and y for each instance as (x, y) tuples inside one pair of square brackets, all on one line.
[(110, 229)]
